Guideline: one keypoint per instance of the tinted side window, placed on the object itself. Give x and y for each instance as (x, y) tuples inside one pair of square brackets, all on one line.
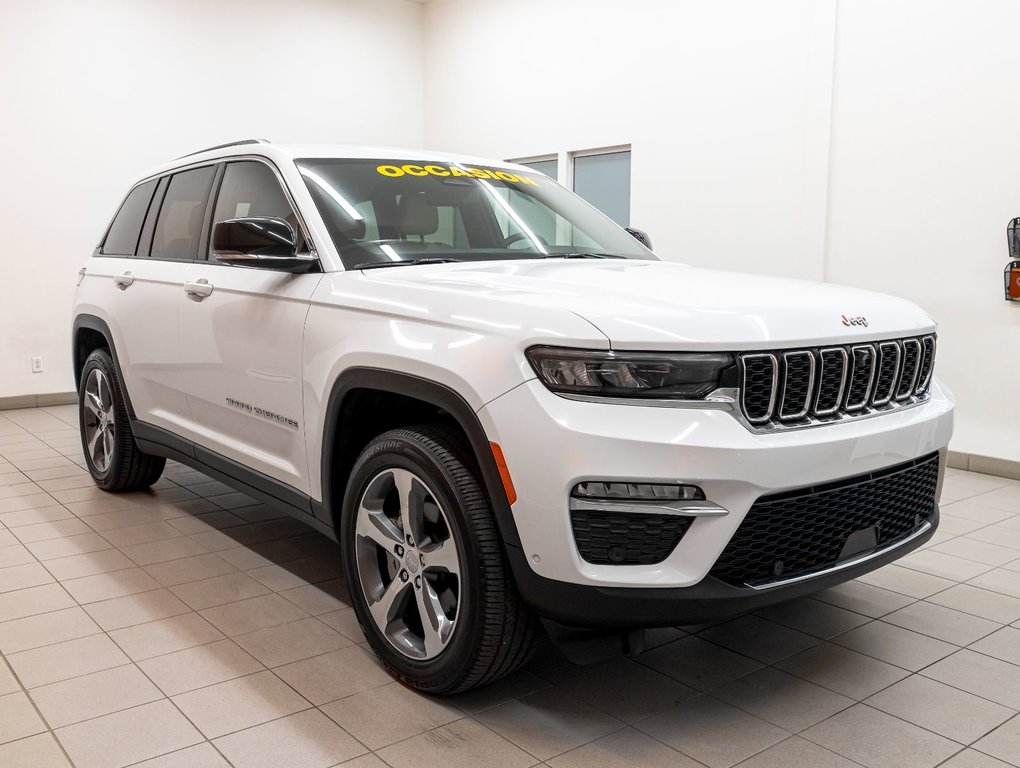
[(122, 239), (251, 189), (179, 227)]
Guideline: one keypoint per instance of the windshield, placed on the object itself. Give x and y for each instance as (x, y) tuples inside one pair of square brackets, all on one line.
[(384, 212)]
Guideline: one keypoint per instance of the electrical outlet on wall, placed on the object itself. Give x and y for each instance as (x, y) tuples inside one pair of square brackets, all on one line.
[(37, 366)]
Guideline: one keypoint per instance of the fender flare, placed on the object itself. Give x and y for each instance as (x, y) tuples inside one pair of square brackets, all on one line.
[(435, 394), (97, 324)]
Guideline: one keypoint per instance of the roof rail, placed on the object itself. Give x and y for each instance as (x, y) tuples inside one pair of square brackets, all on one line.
[(228, 144)]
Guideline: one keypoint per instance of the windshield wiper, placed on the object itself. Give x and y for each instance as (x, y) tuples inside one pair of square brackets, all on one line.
[(408, 263), (579, 256)]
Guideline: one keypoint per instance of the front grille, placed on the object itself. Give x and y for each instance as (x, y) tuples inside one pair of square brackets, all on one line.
[(800, 387), (798, 532), (626, 538)]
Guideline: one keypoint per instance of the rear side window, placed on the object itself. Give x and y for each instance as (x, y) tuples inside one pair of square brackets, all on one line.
[(122, 239), (179, 228)]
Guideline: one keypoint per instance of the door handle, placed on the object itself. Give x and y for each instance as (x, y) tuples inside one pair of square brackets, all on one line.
[(199, 289), (123, 281)]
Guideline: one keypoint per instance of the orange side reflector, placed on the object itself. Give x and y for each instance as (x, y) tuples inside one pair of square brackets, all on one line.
[(504, 473)]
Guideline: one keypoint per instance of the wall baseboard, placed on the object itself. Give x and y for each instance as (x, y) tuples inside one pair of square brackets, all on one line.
[(986, 465), (37, 401)]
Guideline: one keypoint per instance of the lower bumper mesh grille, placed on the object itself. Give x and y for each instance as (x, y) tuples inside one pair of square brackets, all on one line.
[(626, 538), (797, 532)]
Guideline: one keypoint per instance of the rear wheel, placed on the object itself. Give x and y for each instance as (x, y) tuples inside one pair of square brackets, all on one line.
[(428, 577), (113, 458)]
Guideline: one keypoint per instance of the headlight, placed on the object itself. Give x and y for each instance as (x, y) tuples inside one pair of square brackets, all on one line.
[(677, 376)]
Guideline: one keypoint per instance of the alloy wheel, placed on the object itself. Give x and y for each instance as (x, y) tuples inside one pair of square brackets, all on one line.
[(99, 420), (408, 563)]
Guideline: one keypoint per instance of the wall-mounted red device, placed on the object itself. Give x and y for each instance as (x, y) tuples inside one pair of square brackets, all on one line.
[(1011, 275)]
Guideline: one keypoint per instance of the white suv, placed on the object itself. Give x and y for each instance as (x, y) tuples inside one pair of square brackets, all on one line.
[(503, 406)]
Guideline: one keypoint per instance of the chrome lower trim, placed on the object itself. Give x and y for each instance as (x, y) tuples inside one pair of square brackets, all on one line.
[(842, 565), (680, 508)]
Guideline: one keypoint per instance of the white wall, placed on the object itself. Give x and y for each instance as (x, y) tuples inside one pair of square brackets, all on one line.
[(726, 106), (730, 109), (925, 176), (95, 93)]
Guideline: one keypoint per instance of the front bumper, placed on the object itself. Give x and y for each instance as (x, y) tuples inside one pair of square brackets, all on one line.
[(551, 443)]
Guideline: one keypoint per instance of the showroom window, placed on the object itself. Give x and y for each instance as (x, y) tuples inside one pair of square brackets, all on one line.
[(180, 219), (549, 166), (251, 189), (122, 239), (603, 179)]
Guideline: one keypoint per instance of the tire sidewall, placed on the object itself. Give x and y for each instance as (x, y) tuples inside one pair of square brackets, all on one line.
[(391, 452)]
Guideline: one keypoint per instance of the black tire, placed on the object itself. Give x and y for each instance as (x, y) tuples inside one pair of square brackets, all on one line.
[(494, 631), (126, 468)]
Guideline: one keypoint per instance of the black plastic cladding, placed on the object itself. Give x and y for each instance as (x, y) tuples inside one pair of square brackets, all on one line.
[(847, 381), (625, 538), (794, 533)]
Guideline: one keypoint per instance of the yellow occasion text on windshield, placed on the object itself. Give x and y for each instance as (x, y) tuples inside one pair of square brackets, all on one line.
[(395, 171)]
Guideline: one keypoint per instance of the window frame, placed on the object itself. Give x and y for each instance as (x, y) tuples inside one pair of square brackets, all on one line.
[(203, 233)]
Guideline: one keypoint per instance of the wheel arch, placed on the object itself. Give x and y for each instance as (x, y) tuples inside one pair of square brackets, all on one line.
[(345, 395), (88, 334)]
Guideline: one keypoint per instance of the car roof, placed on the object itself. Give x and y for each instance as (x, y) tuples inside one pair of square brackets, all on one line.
[(284, 152)]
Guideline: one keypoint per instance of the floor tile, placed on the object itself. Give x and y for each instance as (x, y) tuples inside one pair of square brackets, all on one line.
[(253, 614), (106, 586), (155, 638), (33, 601), (315, 598), (8, 683), (878, 740), (548, 723), (970, 758), (520, 683), (626, 690), (162, 551), (1000, 580), (908, 582), (1004, 742), (218, 590), (698, 663), (814, 617), (796, 752), (41, 751), (136, 609), (390, 713), (948, 711), (982, 675), (335, 675), (864, 598), (938, 563), (895, 645), (712, 732), (22, 576), (188, 569), (90, 564), (843, 671), (238, 704), (1004, 644), (978, 551), (128, 737), (942, 623), (759, 639), (308, 739), (99, 693), (979, 602), (781, 699), (45, 629), (62, 661), (463, 744), (627, 747), (286, 643), (48, 523), (198, 667), (18, 718), (202, 755)]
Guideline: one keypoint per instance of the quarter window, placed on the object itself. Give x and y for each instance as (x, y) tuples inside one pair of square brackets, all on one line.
[(250, 189), (179, 228), (122, 239)]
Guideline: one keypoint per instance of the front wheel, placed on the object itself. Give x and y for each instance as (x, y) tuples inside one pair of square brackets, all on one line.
[(428, 577), (114, 460)]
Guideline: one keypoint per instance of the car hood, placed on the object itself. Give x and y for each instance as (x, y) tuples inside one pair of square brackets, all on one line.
[(663, 305)]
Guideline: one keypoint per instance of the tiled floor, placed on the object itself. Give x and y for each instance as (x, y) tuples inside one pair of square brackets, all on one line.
[(191, 627)]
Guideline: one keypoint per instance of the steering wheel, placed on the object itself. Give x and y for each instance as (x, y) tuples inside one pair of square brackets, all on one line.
[(518, 236)]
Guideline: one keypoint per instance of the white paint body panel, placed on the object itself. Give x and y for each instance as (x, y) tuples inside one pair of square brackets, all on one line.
[(280, 342)]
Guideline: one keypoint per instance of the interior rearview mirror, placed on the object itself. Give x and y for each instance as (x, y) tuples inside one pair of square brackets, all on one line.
[(641, 236), (267, 242)]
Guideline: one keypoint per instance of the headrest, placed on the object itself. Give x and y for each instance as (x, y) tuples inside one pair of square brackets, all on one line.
[(415, 215)]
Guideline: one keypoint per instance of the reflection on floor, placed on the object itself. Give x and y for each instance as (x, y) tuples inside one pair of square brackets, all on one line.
[(192, 627)]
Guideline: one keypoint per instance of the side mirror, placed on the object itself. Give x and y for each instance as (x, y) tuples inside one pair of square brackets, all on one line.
[(265, 242), (641, 236)]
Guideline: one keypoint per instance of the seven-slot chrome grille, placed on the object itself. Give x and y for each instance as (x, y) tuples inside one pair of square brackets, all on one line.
[(798, 387)]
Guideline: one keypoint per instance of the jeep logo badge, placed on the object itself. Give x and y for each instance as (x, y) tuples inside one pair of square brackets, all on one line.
[(854, 320)]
